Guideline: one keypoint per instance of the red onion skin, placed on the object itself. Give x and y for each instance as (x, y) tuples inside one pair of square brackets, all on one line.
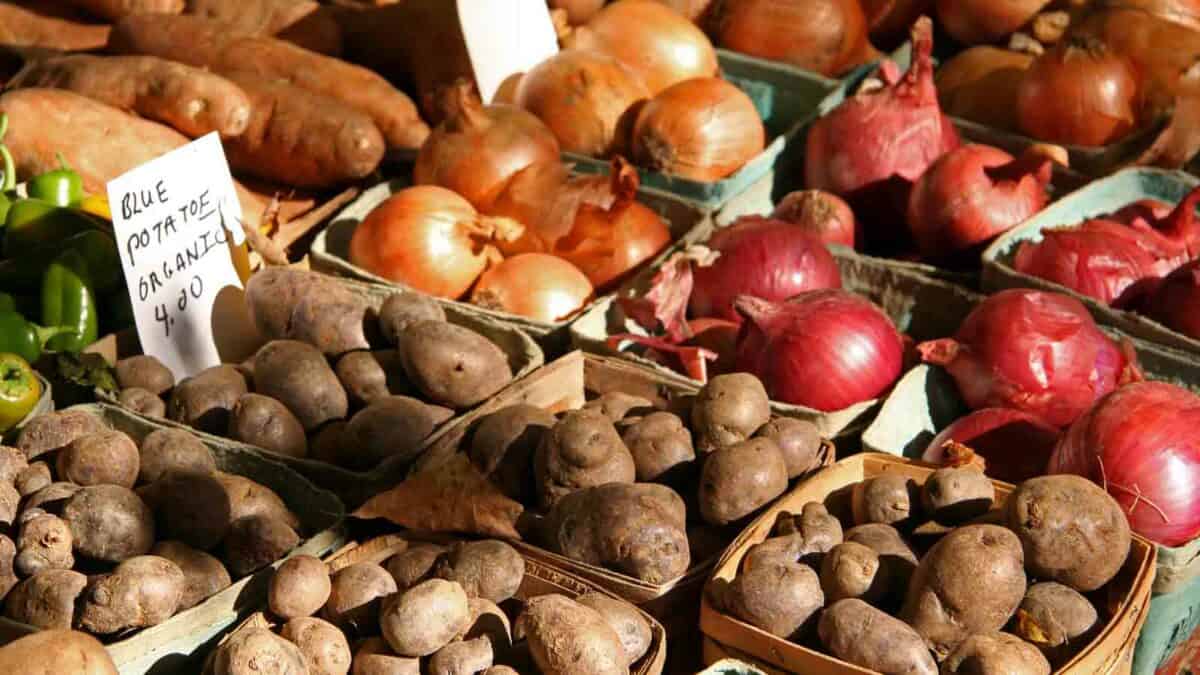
[(897, 131), (1014, 445), (1142, 443), (1143, 212), (1176, 302), (825, 350), (1033, 351), (718, 336), (971, 195), (766, 258), (825, 214)]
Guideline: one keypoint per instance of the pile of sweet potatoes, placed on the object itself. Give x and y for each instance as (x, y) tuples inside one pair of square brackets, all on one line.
[(916, 577), (261, 73), (338, 380), (452, 609), (106, 533)]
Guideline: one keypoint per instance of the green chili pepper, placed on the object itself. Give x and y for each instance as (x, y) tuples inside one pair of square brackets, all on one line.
[(5, 205), (68, 301), (32, 224), (23, 338), (20, 390), (9, 180), (60, 187)]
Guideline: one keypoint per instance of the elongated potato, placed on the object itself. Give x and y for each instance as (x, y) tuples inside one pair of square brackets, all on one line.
[(778, 597), (858, 633), (567, 638), (297, 137), (201, 42), (297, 375), (193, 101), (45, 24)]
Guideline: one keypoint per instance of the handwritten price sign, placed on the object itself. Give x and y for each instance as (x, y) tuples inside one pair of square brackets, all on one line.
[(174, 218)]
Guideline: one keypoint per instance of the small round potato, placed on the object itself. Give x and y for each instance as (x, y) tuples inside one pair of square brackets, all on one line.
[(54, 652), (778, 597), (107, 457), (33, 478), (804, 538), (425, 618), (503, 444), (204, 575), (52, 497), (12, 463), (415, 564), (728, 410), (853, 570), (52, 431), (173, 450), (739, 479), (297, 375), (44, 542), (198, 511), (391, 428), (627, 620), (798, 440), (246, 651), (1056, 619), (582, 450), (203, 401), (354, 596), (953, 496), (142, 402), (490, 622), (109, 522), (300, 587), (451, 365), (144, 372), (995, 654), (369, 376), (895, 553), (253, 542), (401, 310), (617, 405), (323, 645), (489, 569), (464, 657), (262, 421), (889, 498), (374, 657), (1073, 532), (660, 445)]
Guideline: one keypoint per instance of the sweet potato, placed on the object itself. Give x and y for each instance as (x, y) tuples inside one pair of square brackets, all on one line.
[(300, 22), (856, 632), (115, 9), (970, 582), (778, 597), (1073, 532), (297, 137), (142, 591), (636, 529), (988, 653), (54, 652), (47, 26), (42, 133), (46, 599), (201, 42), (191, 100), (582, 450)]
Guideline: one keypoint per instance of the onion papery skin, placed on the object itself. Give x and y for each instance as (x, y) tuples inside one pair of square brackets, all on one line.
[(974, 22), (822, 213), (823, 36), (477, 149), (1079, 92), (1142, 213), (971, 195), (825, 350), (696, 11), (980, 84), (1037, 352), (537, 286), (609, 242), (1142, 443), (581, 96), (1014, 445), (1104, 260), (429, 239), (660, 45), (1176, 302), (853, 151), (762, 257), (578, 11), (718, 336), (1183, 12), (889, 20), (704, 129)]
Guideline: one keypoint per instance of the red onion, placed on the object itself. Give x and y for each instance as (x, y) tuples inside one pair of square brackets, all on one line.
[(826, 349), (766, 258), (1014, 445), (896, 131), (972, 194), (823, 213), (1142, 443), (1143, 212), (1176, 301), (1037, 352), (719, 337), (1117, 260)]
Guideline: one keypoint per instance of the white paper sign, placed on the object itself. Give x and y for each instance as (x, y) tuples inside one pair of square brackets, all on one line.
[(506, 37), (173, 218)]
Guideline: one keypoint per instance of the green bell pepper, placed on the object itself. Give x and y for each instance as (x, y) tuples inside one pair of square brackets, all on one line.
[(33, 223), (7, 302), (8, 181), (98, 248), (68, 301), (60, 187), (5, 205), (20, 390), (24, 338)]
